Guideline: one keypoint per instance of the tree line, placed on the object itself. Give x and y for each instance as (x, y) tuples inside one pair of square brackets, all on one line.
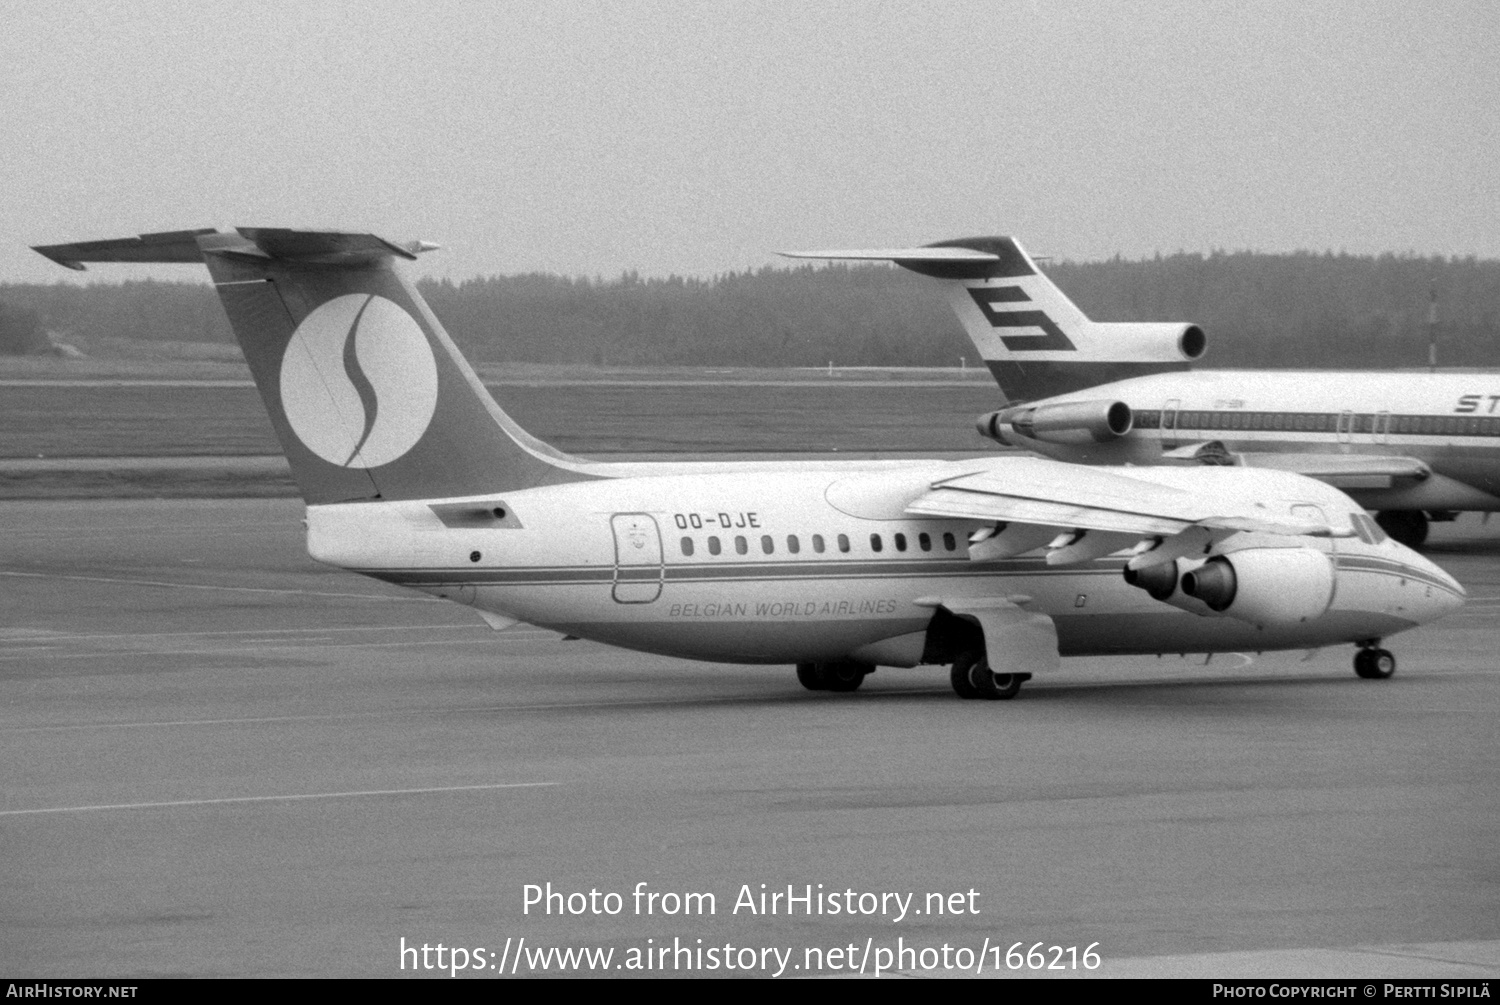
[(1285, 310)]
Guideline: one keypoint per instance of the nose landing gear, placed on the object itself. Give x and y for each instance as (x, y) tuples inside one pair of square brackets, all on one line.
[(972, 677), (1374, 663)]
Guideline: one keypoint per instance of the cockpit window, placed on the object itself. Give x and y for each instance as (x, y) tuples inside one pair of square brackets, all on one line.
[(1357, 521), (1376, 533)]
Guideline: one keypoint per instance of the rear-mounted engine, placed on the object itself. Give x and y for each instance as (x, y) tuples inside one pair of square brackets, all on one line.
[(1070, 422)]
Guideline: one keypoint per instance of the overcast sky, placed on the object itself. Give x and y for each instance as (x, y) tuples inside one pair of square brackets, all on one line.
[(593, 138)]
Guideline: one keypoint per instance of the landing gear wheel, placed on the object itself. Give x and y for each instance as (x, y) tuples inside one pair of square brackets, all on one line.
[(1407, 526), (973, 678), (846, 676), (995, 686), (959, 675), (1374, 664), (810, 677)]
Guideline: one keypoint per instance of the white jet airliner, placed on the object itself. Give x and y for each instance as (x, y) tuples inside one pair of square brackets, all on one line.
[(413, 474), (1413, 446)]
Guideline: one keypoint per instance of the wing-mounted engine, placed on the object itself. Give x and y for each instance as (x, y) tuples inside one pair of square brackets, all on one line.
[(1065, 422), (1163, 582), (1261, 585), (1264, 586)]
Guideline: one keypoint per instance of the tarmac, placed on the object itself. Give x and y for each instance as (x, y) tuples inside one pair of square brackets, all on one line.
[(222, 759)]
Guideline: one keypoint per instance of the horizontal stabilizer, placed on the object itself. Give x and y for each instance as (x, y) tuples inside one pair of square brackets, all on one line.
[(169, 246), (188, 246), (899, 255), (968, 258)]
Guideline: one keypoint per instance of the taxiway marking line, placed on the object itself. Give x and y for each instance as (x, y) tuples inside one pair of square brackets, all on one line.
[(204, 586), (273, 799), (81, 637), (468, 710), (32, 652)]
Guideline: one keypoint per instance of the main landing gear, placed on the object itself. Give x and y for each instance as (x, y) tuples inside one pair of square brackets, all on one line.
[(972, 678), (1374, 663), (845, 676)]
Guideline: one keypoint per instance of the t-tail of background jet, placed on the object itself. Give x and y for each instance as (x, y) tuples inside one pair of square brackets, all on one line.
[(367, 393), (1034, 339)]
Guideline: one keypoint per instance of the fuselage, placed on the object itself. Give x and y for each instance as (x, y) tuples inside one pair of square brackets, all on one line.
[(785, 564), (1450, 421)]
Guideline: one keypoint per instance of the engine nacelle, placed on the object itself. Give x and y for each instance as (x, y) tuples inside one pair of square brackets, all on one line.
[(1069, 422), (1164, 583), (1264, 586), (1160, 581), (1151, 343)]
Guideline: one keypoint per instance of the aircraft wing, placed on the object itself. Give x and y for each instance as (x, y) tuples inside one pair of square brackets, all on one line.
[(1051, 497), (1343, 470)]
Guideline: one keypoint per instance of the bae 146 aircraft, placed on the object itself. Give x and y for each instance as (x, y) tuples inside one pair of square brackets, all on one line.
[(1414, 446), (414, 475)]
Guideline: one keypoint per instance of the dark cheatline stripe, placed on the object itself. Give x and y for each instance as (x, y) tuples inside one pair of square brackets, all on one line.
[(743, 573), (1388, 567)]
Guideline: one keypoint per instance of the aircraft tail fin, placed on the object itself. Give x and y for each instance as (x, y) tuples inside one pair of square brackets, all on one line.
[(1035, 341), (369, 396)]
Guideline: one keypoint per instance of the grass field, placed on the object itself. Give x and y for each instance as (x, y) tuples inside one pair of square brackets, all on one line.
[(638, 412)]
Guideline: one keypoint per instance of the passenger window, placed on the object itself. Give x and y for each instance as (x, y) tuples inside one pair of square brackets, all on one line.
[(900, 542), (792, 544), (924, 541), (766, 544), (687, 546), (844, 543), (875, 543), (948, 543), (818, 543), (713, 545), (741, 546)]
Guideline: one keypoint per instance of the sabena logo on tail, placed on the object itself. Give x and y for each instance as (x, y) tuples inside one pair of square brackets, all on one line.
[(358, 381)]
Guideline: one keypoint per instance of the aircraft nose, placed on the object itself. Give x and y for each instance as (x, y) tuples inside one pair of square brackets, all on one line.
[(1447, 594)]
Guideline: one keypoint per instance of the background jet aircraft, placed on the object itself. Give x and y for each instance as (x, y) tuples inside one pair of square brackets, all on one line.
[(1414, 446), (414, 475)]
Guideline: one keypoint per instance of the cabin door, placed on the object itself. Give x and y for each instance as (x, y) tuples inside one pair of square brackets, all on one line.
[(1169, 424), (1314, 512), (638, 564)]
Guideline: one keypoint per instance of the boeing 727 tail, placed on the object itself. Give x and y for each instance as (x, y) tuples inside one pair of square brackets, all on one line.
[(1034, 339)]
